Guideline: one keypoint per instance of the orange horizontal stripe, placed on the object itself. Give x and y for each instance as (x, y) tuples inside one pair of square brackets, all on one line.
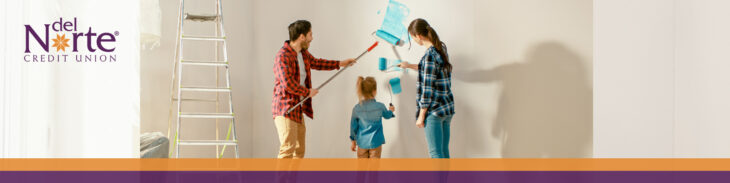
[(364, 164)]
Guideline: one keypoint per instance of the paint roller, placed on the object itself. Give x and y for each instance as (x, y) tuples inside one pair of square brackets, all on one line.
[(394, 87), (332, 77), (383, 64), (394, 83), (390, 38)]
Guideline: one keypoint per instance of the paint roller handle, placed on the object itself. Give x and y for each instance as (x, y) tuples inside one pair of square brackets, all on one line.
[(298, 104), (340, 71), (332, 77), (319, 87), (368, 50)]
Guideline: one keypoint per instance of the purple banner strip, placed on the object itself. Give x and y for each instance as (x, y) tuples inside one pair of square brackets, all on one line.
[(351, 176)]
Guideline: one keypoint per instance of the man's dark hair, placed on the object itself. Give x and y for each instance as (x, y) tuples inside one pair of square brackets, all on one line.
[(299, 27)]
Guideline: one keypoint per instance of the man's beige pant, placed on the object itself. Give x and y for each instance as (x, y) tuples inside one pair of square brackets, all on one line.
[(291, 137)]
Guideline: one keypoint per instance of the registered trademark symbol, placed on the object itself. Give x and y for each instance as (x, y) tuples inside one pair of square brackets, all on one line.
[(116, 33)]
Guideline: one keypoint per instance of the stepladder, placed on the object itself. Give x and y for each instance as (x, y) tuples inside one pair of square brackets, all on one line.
[(192, 99)]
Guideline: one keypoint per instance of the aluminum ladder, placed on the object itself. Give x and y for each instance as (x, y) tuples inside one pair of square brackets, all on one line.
[(177, 86)]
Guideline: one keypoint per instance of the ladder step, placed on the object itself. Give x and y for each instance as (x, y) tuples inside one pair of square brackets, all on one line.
[(206, 115), (204, 38), (201, 18), (208, 142), (195, 100), (204, 63), (204, 89)]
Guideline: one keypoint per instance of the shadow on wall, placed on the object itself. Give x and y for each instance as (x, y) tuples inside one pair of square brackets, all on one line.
[(545, 109)]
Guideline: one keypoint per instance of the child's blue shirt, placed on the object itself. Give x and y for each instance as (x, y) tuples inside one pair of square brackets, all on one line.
[(366, 125)]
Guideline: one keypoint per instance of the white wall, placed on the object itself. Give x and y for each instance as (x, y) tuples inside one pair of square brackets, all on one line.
[(660, 84), (522, 78), (634, 74), (702, 82)]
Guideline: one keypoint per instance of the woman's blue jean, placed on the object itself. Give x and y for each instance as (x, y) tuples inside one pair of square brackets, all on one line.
[(438, 131)]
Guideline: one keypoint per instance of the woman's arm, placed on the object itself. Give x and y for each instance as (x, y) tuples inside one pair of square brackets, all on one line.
[(421, 118), (406, 65), (427, 77)]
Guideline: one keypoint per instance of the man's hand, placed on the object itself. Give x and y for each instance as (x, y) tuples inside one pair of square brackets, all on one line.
[(353, 147), (348, 62), (313, 92), (391, 108)]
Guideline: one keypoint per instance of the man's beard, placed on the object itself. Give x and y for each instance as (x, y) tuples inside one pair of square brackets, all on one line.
[(305, 45)]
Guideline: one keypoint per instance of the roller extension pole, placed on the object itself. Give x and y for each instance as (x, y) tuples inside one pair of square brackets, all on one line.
[(330, 79)]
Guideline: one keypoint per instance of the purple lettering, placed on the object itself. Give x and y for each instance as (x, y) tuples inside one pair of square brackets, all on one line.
[(29, 29)]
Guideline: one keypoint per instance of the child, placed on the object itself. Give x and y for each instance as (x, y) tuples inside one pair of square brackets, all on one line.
[(366, 126)]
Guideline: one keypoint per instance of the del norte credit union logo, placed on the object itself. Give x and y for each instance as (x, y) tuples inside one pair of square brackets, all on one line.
[(68, 44)]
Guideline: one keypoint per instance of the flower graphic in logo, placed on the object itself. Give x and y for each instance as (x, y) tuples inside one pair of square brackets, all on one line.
[(60, 42)]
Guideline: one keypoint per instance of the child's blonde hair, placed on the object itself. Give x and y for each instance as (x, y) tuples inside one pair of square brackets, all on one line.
[(366, 87)]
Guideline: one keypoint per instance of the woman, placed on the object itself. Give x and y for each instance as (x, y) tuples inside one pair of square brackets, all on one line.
[(435, 100)]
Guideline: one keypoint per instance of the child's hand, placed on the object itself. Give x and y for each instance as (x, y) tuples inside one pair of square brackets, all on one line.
[(354, 146), (391, 108)]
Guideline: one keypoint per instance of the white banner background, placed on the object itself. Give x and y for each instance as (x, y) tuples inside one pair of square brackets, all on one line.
[(71, 109)]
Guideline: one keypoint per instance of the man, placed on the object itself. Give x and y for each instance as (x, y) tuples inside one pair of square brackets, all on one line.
[(293, 83)]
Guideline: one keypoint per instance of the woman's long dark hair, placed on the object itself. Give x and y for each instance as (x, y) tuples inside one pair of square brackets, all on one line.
[(420, 27)]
